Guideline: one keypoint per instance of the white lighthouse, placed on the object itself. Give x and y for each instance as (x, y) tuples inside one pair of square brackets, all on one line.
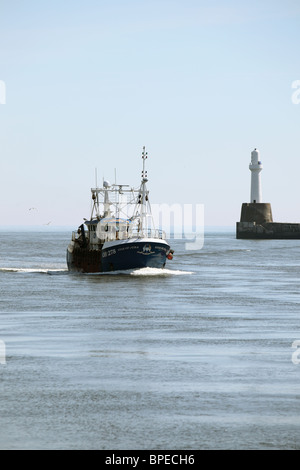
[(255, 167), (256, 217)]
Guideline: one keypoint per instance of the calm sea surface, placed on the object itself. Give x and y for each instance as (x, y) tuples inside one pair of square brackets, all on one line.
[(196, 356)]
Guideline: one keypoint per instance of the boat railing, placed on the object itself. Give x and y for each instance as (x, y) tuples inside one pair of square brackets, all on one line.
[(125, 235), (149, 233), (120, 235), (112, 235)]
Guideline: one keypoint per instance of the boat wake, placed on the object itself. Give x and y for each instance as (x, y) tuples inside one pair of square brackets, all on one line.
[(143, 272), (159, 272), (130, 272), (34, 271)]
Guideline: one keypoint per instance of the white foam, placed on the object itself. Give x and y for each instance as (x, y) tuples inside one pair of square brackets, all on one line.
[(133, 272), (32, 270), (141, 272), (158, 272)]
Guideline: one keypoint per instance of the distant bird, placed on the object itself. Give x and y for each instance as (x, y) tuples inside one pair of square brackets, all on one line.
[(32, 209), (48, 223)]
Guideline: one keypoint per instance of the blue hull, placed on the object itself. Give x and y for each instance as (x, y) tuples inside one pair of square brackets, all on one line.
[(134, 255)]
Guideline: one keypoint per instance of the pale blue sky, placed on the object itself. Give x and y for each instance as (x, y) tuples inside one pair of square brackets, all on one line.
[(199, 83)]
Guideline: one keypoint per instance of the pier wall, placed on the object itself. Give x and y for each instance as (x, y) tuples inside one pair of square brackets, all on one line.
[(268, 230)]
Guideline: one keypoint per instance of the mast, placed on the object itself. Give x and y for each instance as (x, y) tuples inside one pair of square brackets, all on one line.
[(144, 177), (97, 195), (143, 195)]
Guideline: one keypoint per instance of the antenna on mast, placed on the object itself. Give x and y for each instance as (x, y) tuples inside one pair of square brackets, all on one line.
[(144, 172)]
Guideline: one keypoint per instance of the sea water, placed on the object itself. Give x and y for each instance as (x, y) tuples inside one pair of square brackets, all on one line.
[(200, 355)]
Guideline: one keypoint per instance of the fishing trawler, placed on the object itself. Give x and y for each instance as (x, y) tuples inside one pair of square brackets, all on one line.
[(120, 234)]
